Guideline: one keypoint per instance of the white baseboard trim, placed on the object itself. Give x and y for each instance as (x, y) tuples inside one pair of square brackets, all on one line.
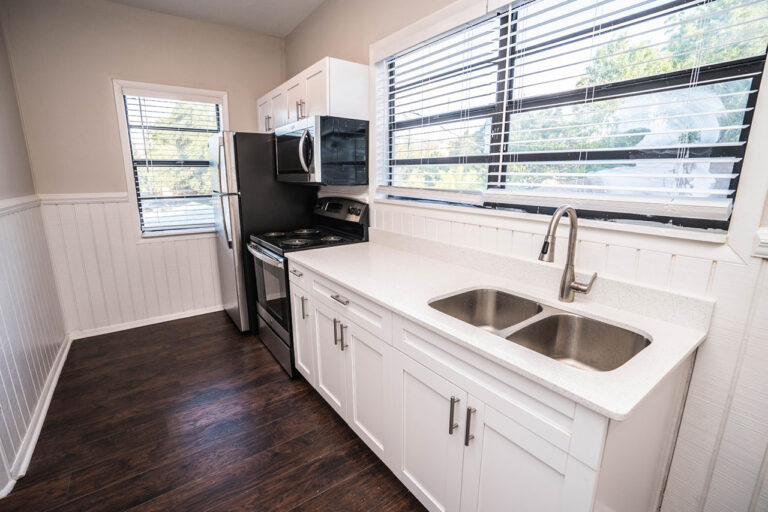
[(21, 463), (5, 491), (76, 335), (761, 243)]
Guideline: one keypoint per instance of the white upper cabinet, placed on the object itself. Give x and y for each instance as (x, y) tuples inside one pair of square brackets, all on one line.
[(330, 87)]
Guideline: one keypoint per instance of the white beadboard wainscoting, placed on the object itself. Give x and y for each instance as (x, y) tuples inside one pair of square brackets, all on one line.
[(720, 461), (111, 279), (33, 341)]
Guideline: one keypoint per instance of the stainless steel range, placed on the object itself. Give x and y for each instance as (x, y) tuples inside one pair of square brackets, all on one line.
[(336, 221)]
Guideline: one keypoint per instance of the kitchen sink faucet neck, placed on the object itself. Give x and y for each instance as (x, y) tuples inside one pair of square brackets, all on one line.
[(568, 283)]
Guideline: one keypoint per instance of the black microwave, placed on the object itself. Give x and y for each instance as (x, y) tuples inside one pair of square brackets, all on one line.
[(323, 150)]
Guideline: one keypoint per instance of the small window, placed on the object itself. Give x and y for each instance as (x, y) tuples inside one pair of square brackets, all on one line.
[(624, 108), (170, 157)]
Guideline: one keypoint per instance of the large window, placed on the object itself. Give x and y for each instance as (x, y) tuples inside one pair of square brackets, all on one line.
[(635, 109), (169, 142)]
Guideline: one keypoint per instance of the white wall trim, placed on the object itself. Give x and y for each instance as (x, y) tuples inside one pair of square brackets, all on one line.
[(15, 204), (20, 465), (97, 197), (5, 491), (107, 329), (761, 243)]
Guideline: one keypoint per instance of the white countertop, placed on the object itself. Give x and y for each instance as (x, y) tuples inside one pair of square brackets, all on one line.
[(405, 281)]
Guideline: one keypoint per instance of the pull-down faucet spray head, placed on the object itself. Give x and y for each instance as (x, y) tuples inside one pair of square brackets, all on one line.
[(547, 253)]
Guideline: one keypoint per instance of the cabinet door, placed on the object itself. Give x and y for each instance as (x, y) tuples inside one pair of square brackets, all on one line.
[(279, 109), (295, 93), (317, 92), (303, 342), (330, 369), (264, 113), (368, 389), (508, 467), (427, 458)]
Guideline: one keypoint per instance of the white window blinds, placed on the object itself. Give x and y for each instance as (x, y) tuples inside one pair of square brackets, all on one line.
[(169, 149), (633, 108)]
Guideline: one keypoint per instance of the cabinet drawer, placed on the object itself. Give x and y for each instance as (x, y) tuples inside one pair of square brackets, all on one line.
[(299, 275), (365, 313)]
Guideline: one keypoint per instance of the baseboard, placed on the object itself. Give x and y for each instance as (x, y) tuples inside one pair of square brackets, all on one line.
[(21, 463), (5, 491), (76, 335)]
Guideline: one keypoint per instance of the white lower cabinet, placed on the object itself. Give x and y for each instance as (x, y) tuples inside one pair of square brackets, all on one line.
[(352, 374), (461, 434), (507, 467), (331, 373), (368, 361), (303, 344), (428, 433)]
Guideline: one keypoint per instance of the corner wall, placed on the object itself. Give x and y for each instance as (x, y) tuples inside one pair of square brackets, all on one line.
[(33, 343)]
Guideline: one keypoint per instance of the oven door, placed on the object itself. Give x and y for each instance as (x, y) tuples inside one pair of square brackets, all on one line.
[(272, 288), (295, 150)]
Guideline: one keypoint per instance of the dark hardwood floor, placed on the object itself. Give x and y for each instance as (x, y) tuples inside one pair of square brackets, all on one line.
[(192, 415)]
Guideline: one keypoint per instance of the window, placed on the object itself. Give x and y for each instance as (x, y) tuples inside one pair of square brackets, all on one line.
[(635, 109), (170, 159)]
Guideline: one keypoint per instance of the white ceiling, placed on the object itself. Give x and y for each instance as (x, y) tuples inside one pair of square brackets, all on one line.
[(273, 17)]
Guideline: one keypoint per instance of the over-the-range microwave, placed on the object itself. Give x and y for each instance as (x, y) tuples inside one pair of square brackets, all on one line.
[(323, 150)]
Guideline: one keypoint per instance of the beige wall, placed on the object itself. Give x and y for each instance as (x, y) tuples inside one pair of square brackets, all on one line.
[(65, 54), (15, 177), (345, 28)]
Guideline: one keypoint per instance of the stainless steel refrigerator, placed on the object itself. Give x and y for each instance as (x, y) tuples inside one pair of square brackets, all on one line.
[(249, 200)]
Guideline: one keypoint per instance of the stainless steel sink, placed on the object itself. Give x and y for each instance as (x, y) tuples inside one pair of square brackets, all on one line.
[(488, 309), (581, 342)]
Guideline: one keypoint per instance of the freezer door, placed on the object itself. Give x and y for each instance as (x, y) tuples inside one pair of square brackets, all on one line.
[(229, 252)]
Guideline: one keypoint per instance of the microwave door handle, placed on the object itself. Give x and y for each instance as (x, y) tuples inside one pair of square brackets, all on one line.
[(264, 257), (302, 141)]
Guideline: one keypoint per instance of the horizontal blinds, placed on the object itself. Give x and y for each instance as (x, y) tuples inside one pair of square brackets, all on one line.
[(169, 149), (626, 106)]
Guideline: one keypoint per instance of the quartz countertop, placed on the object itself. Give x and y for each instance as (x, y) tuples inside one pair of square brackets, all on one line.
[(405, 281)]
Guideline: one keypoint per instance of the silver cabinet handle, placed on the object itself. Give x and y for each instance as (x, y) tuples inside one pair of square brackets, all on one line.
[(296, 272), (341, 300), (302, 104), (467, 436), (298, 110), (343, 329), (335, 331), (451, 425), (303, 308)]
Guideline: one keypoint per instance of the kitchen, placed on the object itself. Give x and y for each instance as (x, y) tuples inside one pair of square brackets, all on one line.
[(358, 255)]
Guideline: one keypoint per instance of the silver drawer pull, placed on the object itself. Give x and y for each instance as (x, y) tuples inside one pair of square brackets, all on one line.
[(296, 272), (341, 300)]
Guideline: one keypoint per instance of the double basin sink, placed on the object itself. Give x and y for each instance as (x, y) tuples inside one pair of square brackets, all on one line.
[(572, 339)]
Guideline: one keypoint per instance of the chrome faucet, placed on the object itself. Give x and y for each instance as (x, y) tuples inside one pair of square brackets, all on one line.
[(568, 284)]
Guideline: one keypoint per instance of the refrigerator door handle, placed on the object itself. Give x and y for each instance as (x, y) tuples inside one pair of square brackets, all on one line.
[(224, 210)]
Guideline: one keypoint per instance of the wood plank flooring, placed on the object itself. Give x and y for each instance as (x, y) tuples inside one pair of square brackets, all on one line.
[(193, 415)]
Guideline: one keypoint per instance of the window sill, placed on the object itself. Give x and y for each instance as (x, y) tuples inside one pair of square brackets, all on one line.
[(715, 238), (177, 235)]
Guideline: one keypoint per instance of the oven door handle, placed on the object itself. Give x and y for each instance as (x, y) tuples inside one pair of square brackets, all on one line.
[(263, 256)]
